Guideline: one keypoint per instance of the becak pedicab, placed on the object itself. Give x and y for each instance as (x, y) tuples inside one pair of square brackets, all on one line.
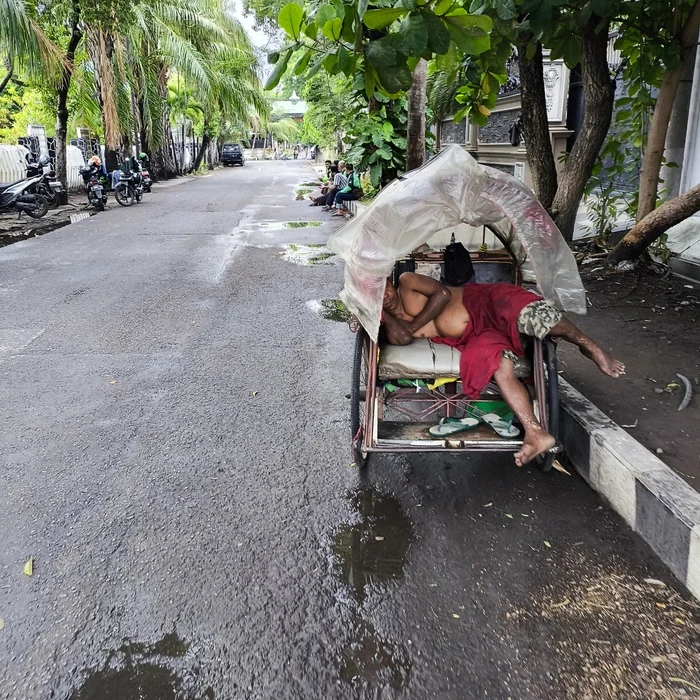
[(423, 393)]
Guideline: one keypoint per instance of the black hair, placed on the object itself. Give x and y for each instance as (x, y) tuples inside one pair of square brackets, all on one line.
[(334, 168), (350, 166)]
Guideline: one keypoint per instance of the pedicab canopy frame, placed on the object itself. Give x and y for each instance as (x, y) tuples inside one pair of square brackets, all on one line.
[(451, 189)]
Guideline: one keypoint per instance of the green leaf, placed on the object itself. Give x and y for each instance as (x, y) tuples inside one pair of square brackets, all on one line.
[(383, 17), (344, 61), (339, 6), (370, 80), (280, 68), (413, 35), (409, 4), (303, 62), (316, 66), (461, 113), (470, 32), (290, 20), (333, 29), (395, 79), (324, 14), (375, 174), (380, 52), (442, 6), (602, 8), (330, 63), (362, 7), (311, 30), (506, 9), (273, 57), (388, 130), (438, 36)]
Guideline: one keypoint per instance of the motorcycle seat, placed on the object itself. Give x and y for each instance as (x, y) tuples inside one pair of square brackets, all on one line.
[(5, 185)]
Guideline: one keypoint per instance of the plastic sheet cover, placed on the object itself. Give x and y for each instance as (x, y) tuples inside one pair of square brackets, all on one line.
[(450, 189)]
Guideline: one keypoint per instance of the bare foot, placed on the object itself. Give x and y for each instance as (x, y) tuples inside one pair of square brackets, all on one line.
[(536, 443), (607, 364)]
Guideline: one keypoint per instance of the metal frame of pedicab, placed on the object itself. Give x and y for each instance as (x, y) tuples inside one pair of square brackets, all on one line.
[(443, 400)]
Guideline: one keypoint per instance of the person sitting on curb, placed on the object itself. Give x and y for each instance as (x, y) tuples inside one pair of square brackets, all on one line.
[(484, 322), (351, 192)]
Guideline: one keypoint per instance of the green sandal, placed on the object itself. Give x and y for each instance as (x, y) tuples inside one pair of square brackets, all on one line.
[(451, 426)]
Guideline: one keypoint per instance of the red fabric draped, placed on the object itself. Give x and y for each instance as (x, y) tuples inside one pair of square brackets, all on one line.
[(493, 327)]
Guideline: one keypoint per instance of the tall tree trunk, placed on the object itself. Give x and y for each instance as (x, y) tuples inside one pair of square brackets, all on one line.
[(654, 153), (62, 99), (599, 98), (538, 143), (415, 136), (201, 151), (8, 75), (655, 224)]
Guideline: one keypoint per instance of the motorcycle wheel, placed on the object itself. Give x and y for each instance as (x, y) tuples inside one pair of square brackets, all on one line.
[(41, 207), (139, 196), (100, 204), (124, 195)]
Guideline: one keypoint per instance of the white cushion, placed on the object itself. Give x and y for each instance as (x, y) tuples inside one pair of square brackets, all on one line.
[(423, 359)]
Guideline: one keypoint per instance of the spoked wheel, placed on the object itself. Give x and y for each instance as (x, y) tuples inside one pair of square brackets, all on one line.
[(124, 195), (358, 396), (549, 348)]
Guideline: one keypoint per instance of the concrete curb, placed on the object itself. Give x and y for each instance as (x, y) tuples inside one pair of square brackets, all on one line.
[(652, 499)]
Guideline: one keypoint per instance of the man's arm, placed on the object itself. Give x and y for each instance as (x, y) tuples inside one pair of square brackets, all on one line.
[(397, 332), (437, 293)]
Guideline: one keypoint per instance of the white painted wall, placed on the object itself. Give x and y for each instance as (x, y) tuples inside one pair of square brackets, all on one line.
[(12, 162)]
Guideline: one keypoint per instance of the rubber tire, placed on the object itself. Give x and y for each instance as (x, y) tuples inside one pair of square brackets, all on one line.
[(42, 210), (553, 405), (130, 196), (356, 396), (100, 204), (48, 194)]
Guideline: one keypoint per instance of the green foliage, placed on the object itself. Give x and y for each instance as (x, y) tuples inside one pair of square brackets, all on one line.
[(20, 106)]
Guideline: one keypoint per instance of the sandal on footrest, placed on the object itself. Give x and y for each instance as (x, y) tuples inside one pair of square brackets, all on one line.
[(501, 425), (450, 426)]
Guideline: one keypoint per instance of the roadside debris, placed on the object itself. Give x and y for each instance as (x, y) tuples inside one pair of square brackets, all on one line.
[(688, 392), (29, 567)]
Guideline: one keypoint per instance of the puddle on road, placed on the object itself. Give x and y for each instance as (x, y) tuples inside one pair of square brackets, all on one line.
[(330, 309), (301, 224), (132, 673), (308, 254), (373, 550), (370, 661)]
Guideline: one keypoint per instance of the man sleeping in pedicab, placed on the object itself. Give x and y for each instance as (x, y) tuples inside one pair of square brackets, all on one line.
[(484, 322)]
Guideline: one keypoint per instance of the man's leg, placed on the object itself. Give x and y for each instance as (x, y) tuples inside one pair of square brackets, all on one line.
[(607, 364), (541, 318), (537, 440)]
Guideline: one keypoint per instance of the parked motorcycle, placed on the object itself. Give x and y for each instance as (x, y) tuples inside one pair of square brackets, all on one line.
[(48, 186), (94, 188), (17, 196), (129, 188), (147, 180)]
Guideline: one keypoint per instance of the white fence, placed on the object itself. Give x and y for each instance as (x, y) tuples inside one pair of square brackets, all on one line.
[(12, 164)]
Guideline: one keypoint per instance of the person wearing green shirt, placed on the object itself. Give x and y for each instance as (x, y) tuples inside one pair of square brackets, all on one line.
[(351, 191)]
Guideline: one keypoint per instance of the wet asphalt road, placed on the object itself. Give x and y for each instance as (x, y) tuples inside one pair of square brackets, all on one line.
[(175, 458)]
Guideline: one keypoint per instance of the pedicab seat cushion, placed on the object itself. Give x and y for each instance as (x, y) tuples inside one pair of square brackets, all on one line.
[(423, 359)]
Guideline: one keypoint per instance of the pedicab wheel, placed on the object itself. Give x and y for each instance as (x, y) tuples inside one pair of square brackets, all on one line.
[(550, 360), (357, 398)]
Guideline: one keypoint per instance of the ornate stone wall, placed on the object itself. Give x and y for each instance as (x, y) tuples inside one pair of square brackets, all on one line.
[(453, 133), (497, 129)]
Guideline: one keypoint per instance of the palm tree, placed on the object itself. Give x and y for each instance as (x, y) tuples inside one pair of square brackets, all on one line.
[(23, 44)]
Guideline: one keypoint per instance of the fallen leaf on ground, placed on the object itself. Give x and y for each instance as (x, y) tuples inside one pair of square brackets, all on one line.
[(114, 381), (547, 545), (563, 604), (654, 582), (29, 567), (631, 425), (508, 515), (661, 605), (558, 466), (379, 539), (487, 505), (456, 616), (2, 624), (253, 393)]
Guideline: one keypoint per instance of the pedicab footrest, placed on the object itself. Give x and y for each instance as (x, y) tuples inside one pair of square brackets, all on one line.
[(407, 435)]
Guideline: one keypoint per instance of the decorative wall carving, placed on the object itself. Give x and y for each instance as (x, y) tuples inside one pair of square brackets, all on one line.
[(497, 129)]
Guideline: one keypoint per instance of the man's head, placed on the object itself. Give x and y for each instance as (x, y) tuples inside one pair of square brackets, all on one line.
[(334, 169), (349, 168), (327, 163), (335, 162), (341, 166), (392, 301)]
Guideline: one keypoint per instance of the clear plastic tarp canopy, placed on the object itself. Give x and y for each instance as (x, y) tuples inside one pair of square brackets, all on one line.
[(450, 190)]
